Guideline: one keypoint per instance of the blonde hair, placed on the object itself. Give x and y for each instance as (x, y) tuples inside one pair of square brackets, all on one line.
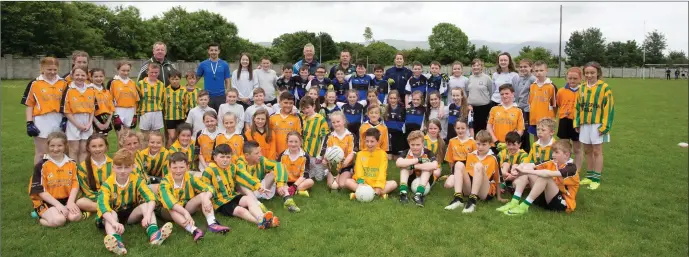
[(230, 114), (339, 114), (483, 136), (414, 135), (127, 133), (547, 122), (60, 136), (562, 146), (123, 157), (50, 61), (440, 153)]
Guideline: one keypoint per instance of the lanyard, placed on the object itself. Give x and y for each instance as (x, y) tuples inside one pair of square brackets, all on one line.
[(216, 67)]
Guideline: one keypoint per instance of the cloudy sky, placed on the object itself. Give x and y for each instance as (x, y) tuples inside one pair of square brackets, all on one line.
[(497, 22)]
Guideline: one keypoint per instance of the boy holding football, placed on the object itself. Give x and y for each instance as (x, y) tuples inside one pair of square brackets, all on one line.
[(370, 168)]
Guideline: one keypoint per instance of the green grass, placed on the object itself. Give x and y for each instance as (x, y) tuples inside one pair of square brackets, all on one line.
[(640, 209)]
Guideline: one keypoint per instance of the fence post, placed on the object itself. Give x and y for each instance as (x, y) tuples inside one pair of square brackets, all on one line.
[(180, 66), (9, 66)]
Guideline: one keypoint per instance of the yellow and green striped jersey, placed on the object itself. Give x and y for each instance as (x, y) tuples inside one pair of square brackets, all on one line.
[(113, 197), (223, 182), (189, 151), (430, 144), (315, 130), (540, 153), (517, 158), (174, 106), (147, 165), (595, 105), (265, 166), (89, 189), (150, 96), (192, 99), (171, 194)]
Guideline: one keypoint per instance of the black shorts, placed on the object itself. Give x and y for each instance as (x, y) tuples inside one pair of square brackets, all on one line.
[(122, 217), (556, 204), (396, 141), (227, 209), (349, 169), (412, 176), (275, 101), (154, 180), (172, 124), (452, 167), (565, 130), (45, 206), (488, 196)]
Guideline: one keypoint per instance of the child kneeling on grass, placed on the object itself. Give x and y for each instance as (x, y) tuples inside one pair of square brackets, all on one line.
[(119, 203), (480, 175), (419, 160), (222, 175), (554, 184), (183, 194), (371, 167)]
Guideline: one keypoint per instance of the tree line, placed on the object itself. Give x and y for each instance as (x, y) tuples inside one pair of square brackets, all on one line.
[(58, 28)]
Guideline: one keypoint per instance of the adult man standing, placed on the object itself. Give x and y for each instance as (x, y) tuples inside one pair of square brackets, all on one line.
[(166, 67), (345, 64), (308, 60), (216, 76)]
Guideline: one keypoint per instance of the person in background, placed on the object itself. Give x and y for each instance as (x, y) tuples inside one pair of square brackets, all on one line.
[(344, 65), (400, 75), (267, 80), (505, 74), (166, 66), (309, 60)]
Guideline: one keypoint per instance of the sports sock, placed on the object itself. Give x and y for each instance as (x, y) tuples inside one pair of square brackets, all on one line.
[(420, 190), (595, 176), (516, 198), (404, 188), (117, 236), (210, 218), (190, 228), (473, 198), (459, 196), (151, 229), (528, 201), (589, 174)]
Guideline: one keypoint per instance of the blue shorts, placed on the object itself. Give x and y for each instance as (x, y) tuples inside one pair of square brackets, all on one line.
[(532, 130)]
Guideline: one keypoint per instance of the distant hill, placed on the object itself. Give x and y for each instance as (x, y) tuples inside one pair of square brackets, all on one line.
[(512, 48)]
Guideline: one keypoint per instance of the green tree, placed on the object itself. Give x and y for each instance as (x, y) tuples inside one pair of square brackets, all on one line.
[(677, 57), (292, 45), (418, 55), (449, 43), (655, 43), (584, 46), (623, 54), (187, 34), (326, 47), (368, 35), (380, 53), (483, 53)]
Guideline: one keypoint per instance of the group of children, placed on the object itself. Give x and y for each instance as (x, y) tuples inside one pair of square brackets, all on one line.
[(229, 161)]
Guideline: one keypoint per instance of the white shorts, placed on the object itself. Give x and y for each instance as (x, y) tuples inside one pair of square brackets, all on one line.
[(266, 196), (151, 121), (48, 123), (126, 115), (73, 133), (588, 134)]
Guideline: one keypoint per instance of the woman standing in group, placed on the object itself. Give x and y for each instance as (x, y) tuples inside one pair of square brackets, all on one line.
[(400, 75), (479, 92), (505, 74)]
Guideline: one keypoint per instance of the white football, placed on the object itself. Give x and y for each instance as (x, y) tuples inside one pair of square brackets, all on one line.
[(334, 154), (364, 193), (415, 184), (683, 144)]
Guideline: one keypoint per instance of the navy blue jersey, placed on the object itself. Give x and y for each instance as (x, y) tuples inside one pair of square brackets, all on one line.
[(438, 83), (401, 76), (383, 87), (322, 86), (300, 87), (341, 90), (361, 85), (417, 84), (395, 117), (325, 112), (288, 85), (354, 113), (414, 118), (454, 113)]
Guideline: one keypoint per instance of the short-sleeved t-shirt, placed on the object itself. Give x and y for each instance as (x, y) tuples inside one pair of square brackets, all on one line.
[(214, 83)]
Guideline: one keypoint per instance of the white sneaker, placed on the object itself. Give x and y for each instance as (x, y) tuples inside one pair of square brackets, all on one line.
[(469, 208), (454, 205)]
